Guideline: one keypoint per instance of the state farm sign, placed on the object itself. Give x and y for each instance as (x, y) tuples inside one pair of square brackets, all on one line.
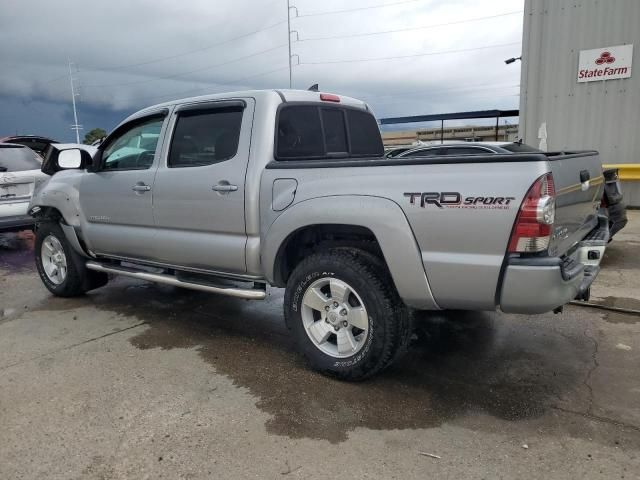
[(605, 63)]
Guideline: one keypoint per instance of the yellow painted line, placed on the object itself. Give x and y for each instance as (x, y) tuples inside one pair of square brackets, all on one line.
[(626, 171)]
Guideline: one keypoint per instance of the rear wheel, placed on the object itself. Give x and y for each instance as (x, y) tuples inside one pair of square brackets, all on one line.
[(345, 314), (61, 269)]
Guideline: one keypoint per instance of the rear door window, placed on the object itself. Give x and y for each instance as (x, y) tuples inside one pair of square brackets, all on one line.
[(205, 137), (18, 159)]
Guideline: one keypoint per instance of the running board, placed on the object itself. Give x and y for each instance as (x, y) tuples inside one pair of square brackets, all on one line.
[(249, 294)]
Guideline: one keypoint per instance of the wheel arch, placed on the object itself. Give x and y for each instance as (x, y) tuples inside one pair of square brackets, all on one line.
[(53, 214), (43, 213), (378, 222), (314, 237)]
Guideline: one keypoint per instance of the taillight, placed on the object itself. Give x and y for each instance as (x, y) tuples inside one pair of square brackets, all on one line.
[(534, 224), (329, 97)]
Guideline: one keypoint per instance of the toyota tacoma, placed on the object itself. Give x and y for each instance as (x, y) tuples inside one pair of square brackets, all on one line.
[(230, 193)]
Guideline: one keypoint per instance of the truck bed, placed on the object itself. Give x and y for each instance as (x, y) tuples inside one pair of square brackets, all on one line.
[(463, 249)]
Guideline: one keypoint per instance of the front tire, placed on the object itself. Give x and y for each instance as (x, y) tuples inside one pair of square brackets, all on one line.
[(61, 269), (345, 314)]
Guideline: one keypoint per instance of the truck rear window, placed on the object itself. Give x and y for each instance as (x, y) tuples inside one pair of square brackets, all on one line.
[(319, 132)]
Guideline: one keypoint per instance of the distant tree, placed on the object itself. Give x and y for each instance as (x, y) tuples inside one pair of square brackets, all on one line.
[(93, 135)]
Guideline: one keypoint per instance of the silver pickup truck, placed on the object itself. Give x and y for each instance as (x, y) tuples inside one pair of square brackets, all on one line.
[(231, 193)]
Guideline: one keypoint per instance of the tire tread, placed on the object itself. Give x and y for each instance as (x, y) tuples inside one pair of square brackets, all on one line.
[(396, 317), (74, 283)]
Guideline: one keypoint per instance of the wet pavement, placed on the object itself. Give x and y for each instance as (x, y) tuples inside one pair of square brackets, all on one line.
[(16, 251), (137, 380)]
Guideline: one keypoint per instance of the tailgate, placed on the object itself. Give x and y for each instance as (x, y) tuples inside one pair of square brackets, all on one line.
[(579, 184)]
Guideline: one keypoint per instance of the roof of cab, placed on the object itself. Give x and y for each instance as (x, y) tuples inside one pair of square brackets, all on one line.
[(286, 94)]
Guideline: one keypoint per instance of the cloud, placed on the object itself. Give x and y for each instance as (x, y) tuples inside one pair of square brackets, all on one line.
[(133, 54)]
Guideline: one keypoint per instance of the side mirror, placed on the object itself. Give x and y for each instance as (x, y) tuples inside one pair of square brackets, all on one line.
[(68, 159)]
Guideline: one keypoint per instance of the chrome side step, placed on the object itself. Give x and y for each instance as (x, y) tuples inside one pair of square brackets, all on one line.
[(249, 294)]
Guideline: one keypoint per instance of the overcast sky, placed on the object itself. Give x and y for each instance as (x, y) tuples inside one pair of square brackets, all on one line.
[(128, 55)]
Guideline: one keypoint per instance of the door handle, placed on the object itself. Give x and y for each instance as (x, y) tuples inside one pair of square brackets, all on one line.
[(224, 187), (141, 188)]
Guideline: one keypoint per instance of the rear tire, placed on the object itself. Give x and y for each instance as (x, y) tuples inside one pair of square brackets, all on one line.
[(61, 269), (345, 314)]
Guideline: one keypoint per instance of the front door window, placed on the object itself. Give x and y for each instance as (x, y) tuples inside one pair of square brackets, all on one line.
[(135, 148)]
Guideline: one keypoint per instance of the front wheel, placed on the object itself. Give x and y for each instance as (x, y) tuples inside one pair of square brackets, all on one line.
[(60, 268), (345, 314)]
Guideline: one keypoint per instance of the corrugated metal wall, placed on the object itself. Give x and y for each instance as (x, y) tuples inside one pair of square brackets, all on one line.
[(603, 115)]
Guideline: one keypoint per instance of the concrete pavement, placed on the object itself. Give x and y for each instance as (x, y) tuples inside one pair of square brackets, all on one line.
[(142, 381)]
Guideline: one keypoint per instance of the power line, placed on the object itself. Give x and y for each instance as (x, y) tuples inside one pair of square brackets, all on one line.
[(482, 86), (198, 50), (182, 74), (376, 99), (56, 79), (231, 82), (446, 52), (408, 29), (466, 96), (358, 9)]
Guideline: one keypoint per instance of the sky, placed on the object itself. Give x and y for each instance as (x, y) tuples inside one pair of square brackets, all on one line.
[(403, 57)]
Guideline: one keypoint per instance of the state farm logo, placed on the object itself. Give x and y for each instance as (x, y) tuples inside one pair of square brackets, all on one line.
[(606, 67), (605, 57)]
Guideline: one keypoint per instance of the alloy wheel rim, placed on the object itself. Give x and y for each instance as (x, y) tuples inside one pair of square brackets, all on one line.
[(335, 317), (54, 260)]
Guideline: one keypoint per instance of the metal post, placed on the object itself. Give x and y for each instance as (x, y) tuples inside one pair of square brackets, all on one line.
[(289, 41), (497, 125), (75, 125), (441, 131)]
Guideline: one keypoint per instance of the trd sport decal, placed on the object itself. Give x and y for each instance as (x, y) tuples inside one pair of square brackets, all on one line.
[(454, 200)]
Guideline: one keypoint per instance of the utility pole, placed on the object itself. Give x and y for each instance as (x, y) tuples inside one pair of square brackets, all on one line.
[(289, 32), (75, 125)]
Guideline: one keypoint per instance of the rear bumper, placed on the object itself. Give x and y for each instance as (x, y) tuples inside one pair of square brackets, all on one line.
[(541, 284), (533, 289), (16, 223)]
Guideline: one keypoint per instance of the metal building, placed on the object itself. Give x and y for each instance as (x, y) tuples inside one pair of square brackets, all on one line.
[(578, 88)]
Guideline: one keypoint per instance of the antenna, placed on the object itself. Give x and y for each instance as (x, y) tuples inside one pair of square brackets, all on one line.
[(75, 125)]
